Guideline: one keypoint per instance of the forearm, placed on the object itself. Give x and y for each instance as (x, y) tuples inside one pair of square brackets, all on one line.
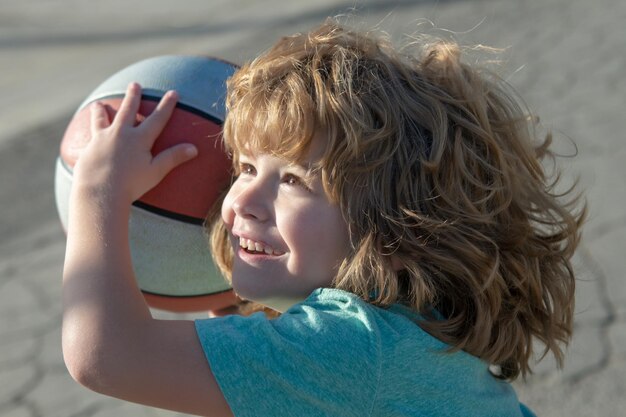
[(102, 305)]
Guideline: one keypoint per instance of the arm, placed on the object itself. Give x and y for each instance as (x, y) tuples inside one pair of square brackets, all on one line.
[(111, 343)]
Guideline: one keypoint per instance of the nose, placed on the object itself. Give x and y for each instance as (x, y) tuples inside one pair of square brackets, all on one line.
[(251, 200)]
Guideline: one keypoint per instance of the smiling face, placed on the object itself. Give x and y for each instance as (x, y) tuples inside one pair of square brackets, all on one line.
[(288, 238)]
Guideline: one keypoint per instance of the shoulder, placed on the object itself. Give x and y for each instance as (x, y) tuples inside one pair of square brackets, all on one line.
[(341, 315), (328, 320), (311, 355), (332, 307), (391, 325)]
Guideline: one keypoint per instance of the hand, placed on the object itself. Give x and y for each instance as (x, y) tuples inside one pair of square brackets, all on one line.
[(117, 163)]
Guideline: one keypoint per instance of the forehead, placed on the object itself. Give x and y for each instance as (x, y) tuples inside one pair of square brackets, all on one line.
[(308, 152)]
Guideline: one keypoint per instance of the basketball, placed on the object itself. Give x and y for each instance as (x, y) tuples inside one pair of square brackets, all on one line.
[(169, 248)]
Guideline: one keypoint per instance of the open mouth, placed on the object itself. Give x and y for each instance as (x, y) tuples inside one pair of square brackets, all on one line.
[(257, 248)]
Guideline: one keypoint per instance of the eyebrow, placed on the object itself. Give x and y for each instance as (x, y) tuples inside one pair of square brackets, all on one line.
[(310, 170)]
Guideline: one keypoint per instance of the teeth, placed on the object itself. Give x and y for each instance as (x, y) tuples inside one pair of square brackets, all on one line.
[(253, 246)]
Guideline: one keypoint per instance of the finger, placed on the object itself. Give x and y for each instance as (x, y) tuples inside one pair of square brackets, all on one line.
[(99, 117), (170, 158), (127, 113), (155, 123)]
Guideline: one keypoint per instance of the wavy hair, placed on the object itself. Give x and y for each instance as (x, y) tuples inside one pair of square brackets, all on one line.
[(437, 169)]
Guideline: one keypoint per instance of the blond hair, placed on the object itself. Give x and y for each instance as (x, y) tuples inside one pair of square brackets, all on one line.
[(437, 170)]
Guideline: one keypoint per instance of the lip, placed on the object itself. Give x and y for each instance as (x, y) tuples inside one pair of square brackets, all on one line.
[(255, 258)]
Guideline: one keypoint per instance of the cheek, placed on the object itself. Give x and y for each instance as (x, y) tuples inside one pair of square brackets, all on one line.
[(319, 235), (228, 215)]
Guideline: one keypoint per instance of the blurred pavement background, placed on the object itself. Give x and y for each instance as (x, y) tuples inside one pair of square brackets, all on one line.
[(566, 57)]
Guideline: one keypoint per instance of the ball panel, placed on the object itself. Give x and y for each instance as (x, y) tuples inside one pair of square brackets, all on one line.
[(62, 188), (157, 245), (192, 304), (191, 188), (172, 257), (200, 81)]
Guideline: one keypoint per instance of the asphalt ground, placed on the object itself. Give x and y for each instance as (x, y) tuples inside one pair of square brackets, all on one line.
[(566, 57)]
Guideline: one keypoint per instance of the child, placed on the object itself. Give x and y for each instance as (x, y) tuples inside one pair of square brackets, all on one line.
[(393, 208)]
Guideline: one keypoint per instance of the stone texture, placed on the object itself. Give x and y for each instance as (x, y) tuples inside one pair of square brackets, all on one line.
[(566, 57)]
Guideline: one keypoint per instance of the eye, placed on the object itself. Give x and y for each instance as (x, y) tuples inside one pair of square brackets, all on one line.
[(294, 180), (246, 169)]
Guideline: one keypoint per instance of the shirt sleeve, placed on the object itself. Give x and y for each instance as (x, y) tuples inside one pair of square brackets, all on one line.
[(526, 412), (319, 358)]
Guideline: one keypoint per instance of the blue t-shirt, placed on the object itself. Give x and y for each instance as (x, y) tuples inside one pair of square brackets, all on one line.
[(336, 355)]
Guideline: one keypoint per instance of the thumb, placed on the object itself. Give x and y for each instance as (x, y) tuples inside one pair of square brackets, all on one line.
[(170, 158)]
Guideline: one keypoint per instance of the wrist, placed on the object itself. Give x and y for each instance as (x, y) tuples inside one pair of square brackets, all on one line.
[(98, 206), (106, 194)]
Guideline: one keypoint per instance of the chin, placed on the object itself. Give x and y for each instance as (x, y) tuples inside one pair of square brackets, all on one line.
[(278, 302)]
